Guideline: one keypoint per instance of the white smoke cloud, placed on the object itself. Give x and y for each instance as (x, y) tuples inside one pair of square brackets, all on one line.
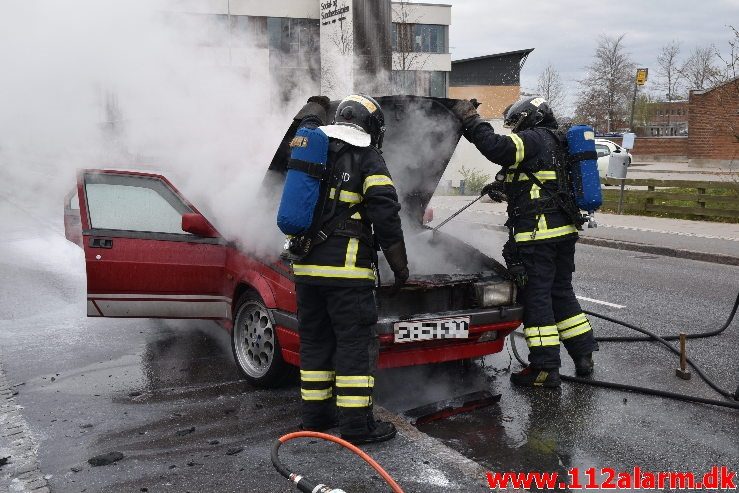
[(98, 83)]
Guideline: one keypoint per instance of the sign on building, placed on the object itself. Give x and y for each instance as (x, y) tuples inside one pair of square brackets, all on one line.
[(356, 52)]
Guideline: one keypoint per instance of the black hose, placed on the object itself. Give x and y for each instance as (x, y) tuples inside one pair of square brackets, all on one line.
[(275, 456), (655, 337), (630, 388), (698, 335)]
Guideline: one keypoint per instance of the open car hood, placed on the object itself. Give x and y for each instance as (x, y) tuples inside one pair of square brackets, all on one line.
[(421, 136)]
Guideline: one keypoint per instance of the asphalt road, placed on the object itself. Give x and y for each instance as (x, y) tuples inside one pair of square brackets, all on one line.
[(167, 395)]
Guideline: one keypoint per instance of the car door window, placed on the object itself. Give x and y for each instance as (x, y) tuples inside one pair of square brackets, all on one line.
[(602, 150), (133, 203)]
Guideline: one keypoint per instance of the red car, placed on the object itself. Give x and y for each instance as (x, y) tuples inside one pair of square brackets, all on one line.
[(150, 253)]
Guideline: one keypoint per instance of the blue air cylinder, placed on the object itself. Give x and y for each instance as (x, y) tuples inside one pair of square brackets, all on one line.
[(301, 193), (585, 178)]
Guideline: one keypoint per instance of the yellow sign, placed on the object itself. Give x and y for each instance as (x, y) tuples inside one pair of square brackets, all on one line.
[(641, 76)]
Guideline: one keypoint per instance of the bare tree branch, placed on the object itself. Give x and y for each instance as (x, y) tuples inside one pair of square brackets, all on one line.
[(668, 71), (700, 68), (550, 87), (607, 87)]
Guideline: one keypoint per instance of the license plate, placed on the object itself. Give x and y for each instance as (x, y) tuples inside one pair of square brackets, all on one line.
[(426, 330)]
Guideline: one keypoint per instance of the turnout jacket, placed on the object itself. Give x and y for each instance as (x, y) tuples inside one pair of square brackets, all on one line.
[(365, 180), (532, 213)]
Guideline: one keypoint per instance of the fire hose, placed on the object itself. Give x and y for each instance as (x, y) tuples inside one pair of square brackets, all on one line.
[(650, 336), (308, 486)]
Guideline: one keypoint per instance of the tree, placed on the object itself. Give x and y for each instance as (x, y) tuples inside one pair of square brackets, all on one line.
[(668, 71), (550, 87), (605, 102), (700, 68)]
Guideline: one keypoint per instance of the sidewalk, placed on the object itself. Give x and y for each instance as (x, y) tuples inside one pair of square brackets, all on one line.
[(680, 171), (697, 240)]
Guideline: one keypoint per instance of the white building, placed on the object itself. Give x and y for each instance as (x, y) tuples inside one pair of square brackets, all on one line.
[(333, 46)]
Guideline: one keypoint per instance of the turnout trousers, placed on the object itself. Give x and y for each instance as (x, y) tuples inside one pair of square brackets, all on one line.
[(551, 310), (338, 355)]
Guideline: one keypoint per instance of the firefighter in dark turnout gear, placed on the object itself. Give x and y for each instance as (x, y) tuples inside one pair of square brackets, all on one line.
[(540, 252), (335, 281)]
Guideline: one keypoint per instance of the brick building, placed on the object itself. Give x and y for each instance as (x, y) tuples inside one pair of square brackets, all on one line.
[(494, 80), (713, 139), (666, 119)]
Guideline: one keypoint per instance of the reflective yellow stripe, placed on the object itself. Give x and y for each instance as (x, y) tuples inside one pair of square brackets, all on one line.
[(542, 225), (534, 191), (541, 378), (316, 376), (360, 381), (575, 331), (351, 253), (543, 341), (348, 271), (363, 101), (344, 196), (353, 400), (356, 215), (547, 330), (541, 175), (545, 335), (545, 234), (519, 149), (316, 395), (375, 181), (333, 271), (572, 321)]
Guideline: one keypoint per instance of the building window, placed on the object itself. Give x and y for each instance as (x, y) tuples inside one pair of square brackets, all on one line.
[(420, 38), (249, 31), (420, 83), (294, 42)]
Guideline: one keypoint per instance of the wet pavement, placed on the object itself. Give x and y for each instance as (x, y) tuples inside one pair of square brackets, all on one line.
[(168, 397)]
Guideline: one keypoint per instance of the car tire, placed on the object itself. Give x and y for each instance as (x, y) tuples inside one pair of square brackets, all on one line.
[(255, 345)]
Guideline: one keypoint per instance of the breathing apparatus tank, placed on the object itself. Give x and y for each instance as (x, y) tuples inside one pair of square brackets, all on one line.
[(306, 169), (584, 177)]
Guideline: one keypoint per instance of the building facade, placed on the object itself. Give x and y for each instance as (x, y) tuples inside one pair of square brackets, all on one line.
[(666, 119), (332, 47), (494, 80)]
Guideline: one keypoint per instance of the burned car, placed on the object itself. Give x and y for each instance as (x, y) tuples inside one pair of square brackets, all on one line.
[(150, 253)]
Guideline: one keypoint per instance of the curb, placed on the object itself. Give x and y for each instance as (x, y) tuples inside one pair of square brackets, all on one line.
[(716, 258)]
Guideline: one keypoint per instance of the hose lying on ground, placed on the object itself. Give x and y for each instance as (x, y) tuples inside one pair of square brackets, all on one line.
[(663, 340), (698, 335), (307, 486)]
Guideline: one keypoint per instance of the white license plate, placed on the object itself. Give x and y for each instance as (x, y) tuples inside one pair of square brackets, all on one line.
[(426, 330)]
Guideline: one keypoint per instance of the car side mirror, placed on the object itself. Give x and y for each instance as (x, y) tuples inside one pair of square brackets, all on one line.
[(617, 150), (198, 225)]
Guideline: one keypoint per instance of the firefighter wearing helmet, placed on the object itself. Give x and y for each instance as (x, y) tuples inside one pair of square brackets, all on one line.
[(335, 281), (540, 252)]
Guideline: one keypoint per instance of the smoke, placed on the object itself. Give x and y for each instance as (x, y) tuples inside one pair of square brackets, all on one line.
[(98, 83)]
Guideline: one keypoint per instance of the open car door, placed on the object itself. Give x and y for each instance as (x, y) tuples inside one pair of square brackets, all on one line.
[(148, 252)]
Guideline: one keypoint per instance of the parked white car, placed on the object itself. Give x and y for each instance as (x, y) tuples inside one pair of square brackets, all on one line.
[(604, 148)]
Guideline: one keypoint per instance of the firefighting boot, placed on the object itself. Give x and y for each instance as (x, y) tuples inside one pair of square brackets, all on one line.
[(372, 431), (583, 364), (534, 377)]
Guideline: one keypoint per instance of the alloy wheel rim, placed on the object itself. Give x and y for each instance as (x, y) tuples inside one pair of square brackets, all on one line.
[(255, 339)]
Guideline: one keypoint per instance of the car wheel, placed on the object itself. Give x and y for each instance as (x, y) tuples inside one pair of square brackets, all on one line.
[(255, 345)]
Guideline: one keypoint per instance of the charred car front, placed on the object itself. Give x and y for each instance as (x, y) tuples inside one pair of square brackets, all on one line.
[(150, 253)]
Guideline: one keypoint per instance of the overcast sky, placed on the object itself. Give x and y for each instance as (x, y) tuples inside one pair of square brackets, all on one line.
[(565, 32)]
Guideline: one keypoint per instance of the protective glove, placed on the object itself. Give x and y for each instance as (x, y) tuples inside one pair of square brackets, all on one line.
[(496, 191), (398, 260), (317, 106), (465, 111), (514, 264)]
